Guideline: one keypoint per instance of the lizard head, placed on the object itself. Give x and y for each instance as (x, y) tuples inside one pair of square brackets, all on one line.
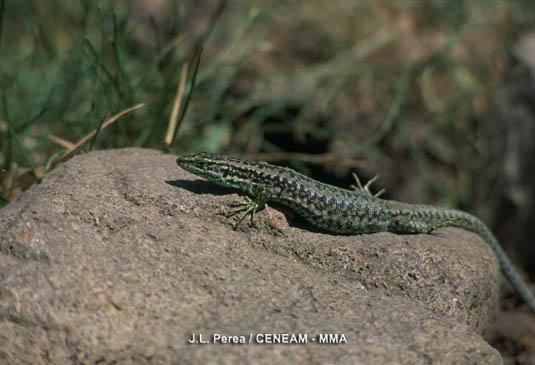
[(201, 164), (222, 170)]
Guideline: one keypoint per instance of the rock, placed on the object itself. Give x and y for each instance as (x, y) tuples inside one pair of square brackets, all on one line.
[(121, 256)]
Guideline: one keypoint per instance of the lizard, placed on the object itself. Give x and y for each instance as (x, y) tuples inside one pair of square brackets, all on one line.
[(337, 210)]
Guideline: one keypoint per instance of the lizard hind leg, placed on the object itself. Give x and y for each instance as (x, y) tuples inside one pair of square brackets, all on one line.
[(402, 224), (366, 188), (448, 222)]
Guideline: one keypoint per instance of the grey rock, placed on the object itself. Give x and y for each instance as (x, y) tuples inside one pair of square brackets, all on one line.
[(120, 257)]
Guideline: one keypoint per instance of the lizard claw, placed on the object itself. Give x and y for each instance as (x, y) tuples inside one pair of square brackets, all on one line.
[(366, 188), (245, 207)]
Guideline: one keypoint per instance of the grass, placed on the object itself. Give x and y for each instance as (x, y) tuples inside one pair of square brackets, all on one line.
[(400, 88)]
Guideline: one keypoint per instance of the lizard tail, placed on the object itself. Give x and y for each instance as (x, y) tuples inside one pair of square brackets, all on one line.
[(471, 223)]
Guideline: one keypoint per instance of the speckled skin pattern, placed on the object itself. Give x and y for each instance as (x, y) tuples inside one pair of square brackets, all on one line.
[(337, 210)]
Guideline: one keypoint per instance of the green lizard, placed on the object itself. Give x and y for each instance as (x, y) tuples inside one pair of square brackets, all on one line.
[(337, 210)]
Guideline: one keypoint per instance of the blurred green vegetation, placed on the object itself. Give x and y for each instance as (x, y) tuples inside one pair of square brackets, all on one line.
[(399, 88)]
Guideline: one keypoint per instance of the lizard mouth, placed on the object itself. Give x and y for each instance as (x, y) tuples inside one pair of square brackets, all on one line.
[(190, 163), (201, 164)]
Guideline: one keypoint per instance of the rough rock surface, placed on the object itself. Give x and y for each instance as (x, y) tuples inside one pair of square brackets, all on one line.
[(121, 256)]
